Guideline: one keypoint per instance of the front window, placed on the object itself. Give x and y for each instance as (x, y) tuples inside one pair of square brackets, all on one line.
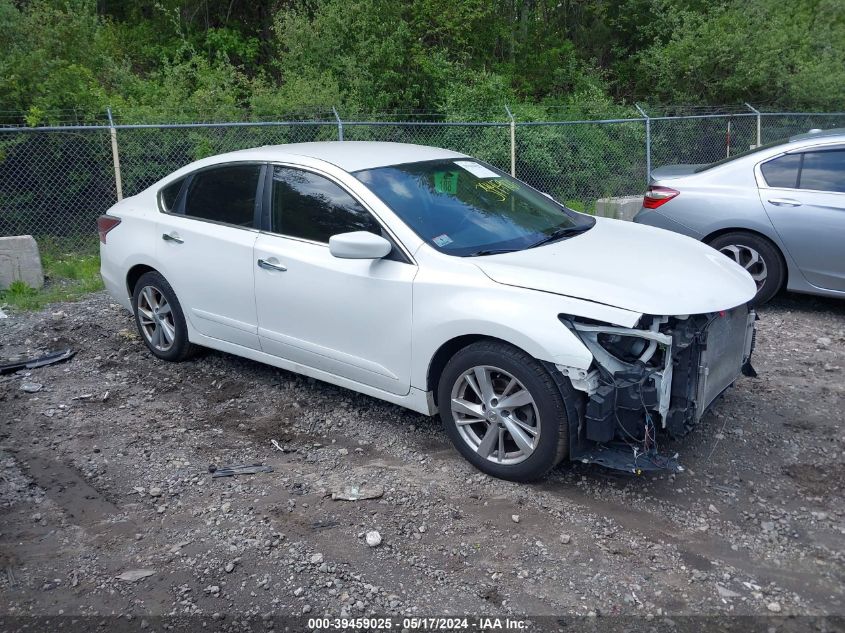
[(461, 207), (312, 207)]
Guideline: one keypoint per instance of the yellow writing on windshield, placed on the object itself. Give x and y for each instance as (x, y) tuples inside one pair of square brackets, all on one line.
[(500, 188)]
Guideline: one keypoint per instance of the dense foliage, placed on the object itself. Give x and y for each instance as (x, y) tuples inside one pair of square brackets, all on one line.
[(215, 59)]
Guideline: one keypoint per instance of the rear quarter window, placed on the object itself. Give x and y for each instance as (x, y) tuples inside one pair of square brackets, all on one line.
[(169, 195)]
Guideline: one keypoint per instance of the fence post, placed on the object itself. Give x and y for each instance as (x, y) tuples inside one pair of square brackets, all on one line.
[(757, 112), (339, 124), (513, 140), (118, 180), (647, 143)]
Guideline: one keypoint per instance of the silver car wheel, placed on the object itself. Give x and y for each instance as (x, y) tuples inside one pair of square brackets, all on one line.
[(749, 259), (156, 318), (495, 415)]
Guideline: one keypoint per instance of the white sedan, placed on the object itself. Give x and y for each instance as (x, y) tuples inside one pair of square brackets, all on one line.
[(432, 280)]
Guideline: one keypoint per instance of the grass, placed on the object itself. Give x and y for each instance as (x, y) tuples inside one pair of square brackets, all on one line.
[(69, 276), (578, 205)]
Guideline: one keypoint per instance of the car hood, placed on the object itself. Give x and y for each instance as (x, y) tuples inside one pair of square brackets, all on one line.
[(629, 266)]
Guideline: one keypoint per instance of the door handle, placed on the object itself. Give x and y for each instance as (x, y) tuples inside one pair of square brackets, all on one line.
[(784, 202), (266, 264), (172, 237)]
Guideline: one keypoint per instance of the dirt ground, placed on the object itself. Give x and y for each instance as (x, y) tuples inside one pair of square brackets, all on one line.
[(104, 470)]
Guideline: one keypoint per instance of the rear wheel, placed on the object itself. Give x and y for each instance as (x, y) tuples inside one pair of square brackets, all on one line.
[(503, 411), (159, 318), (758, 256)]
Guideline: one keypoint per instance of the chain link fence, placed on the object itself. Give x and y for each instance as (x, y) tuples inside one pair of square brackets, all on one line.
[(55, 182)]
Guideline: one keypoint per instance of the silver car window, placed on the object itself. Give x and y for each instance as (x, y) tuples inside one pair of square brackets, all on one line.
[(823, 171), (782, 171)]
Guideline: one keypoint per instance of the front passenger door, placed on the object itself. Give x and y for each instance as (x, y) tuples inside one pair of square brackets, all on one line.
[(347, 317)]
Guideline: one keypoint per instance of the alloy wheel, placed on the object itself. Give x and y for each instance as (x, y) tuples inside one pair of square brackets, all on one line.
[(495, 415), (749, 259), (156, 318)]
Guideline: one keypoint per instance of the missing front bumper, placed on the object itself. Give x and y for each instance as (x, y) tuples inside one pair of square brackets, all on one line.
[(662, 385)]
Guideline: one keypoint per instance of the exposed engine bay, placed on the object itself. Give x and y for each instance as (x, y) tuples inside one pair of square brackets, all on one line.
[(656, 379)]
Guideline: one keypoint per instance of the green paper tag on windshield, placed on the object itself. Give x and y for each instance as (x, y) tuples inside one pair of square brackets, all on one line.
[(446, 181)]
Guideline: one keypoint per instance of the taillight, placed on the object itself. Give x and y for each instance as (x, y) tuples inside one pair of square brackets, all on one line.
[(657, 195), (106, 223)]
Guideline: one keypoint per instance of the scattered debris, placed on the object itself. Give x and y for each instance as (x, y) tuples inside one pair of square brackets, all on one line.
[(515, 518), (774, 607), (3, 315), (373, 538), (82, 517), (31, 387), (356, 493), (49, 358), (241, 469), (134, 575)]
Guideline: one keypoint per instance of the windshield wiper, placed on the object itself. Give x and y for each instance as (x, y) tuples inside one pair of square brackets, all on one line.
[(559, 234), (491, 251)]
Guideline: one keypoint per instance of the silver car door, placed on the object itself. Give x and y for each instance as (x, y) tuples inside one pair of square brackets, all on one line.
[(804, 195)]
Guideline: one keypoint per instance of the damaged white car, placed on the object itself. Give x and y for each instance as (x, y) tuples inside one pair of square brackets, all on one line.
[(429, 279)]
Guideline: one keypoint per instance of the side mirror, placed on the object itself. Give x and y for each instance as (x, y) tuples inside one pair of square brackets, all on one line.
[(359, 245)]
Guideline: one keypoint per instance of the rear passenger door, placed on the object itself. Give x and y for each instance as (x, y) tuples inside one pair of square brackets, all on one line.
[(207, 230), (804, 195)]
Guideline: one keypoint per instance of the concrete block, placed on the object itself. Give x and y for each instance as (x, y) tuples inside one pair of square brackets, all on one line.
[(622, 208), (20, 261)]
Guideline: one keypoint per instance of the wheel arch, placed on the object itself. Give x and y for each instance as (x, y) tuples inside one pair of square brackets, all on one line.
[(451, 347), (785, 263), (134, 274)]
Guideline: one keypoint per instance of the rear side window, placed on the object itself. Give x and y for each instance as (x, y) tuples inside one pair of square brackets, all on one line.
[(782, 171), (823, 171), (224, 194), (170, 194), (312, 207)]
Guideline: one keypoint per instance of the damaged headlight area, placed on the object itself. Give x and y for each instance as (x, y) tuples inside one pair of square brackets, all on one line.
[(654, 380)]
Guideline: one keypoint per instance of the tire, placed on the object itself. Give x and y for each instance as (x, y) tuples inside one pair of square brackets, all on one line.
[(768, 269), (545, 415), (164, 332)]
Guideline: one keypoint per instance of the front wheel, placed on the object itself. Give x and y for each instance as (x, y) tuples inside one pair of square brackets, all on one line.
[(759, 257), (503, 411)]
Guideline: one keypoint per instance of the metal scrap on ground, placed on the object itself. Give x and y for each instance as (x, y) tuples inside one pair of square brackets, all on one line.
[(356, 493), (241, 469), (33, 363)]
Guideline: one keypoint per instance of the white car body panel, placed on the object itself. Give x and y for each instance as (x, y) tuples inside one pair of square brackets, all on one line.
[(590, 267), (375, 325), (357, 325), (222, 305)]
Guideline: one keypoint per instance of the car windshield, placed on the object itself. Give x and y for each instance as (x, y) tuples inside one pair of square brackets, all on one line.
[(463, 207)]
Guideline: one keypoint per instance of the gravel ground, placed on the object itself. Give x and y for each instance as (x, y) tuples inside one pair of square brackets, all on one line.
[(108, 506)]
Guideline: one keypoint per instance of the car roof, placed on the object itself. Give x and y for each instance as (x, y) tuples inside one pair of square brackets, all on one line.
[(818, 134), (349, 155)]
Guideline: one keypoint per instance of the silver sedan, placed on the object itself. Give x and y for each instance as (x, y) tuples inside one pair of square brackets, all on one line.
[(778, 210)]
